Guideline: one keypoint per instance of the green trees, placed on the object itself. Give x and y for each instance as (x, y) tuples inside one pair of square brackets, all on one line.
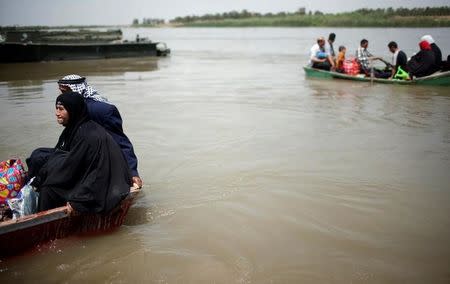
[(388, 17)]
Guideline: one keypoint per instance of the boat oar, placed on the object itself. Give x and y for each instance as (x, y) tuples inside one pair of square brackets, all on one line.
[(371, 72), (385, 62)]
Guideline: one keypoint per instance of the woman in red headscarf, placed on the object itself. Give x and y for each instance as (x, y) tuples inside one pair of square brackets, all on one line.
[(424, 62)]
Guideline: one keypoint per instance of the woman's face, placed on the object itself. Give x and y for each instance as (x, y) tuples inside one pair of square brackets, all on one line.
[(62, 115)]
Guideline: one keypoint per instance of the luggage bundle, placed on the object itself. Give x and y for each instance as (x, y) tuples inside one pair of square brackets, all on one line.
[(16, 198), (12, 179), (351, 66)]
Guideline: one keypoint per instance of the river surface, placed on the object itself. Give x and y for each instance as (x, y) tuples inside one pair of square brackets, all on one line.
[(253, 173)]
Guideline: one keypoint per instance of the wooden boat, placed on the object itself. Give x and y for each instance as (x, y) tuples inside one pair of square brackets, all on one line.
[(17, 236), (34, 52), (437, 79), (19, 34)]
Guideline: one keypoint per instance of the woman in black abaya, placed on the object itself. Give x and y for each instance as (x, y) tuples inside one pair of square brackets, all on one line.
[(87, 168)]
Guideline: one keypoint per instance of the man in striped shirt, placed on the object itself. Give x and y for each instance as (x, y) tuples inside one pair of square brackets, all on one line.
[(364, 57)]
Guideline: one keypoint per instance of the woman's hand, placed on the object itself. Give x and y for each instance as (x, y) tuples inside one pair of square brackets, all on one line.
[(137, 182), (70, 209)]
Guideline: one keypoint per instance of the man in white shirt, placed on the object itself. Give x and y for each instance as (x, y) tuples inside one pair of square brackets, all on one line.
[(319, 57)]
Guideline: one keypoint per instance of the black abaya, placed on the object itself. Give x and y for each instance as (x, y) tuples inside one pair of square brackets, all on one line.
[(88, 169)]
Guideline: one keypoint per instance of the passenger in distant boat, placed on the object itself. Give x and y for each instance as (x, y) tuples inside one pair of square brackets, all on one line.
[(340, 59), (106, 114), (423, 63), (399, 59), (436, 50), (87, 169), (319, 58), (364, 58), (329, 47), (446, 64)]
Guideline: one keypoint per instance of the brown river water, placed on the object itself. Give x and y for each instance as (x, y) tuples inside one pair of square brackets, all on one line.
[(253, 173)]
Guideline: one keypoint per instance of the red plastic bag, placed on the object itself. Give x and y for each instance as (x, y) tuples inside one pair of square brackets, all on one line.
[(12, 178), (351, 66)]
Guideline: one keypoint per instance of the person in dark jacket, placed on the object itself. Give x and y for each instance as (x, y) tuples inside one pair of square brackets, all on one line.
[(436, 50), (331, 38), (423, 63), (87, 168), (106, 114), (446, 64), (399, 59)]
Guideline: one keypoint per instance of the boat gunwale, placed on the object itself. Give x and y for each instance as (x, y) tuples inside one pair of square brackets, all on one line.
[(54, 214), (421, 80)]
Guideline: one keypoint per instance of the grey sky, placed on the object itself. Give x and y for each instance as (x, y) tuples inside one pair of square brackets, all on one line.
[(110, 12)]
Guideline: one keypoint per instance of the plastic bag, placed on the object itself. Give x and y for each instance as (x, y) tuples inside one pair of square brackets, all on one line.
[(351, 66), (25, 203), (401, 74)]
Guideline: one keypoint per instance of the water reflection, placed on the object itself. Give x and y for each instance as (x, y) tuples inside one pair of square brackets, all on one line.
[(240, 153), (33, 72), (72, 259), (20, 92)]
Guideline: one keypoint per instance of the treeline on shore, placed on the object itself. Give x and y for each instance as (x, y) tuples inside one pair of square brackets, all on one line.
[(389, 17)]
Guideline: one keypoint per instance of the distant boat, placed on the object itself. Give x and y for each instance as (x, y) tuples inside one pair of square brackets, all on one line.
[(21, 45), (436, 79), (17, 236)]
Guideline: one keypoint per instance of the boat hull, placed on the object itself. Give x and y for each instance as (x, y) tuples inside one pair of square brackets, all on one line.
[(438, 79), (32, 52), (17, 236)]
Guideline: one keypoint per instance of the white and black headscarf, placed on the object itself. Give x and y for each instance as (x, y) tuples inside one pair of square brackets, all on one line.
[(427, 38), (78, 84)]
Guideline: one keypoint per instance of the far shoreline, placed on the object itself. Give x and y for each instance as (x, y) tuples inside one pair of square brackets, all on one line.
[(411, 17), (168, 26)]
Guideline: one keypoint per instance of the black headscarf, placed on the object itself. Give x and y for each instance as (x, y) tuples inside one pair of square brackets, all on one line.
[(78, 114), (87, 167)]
